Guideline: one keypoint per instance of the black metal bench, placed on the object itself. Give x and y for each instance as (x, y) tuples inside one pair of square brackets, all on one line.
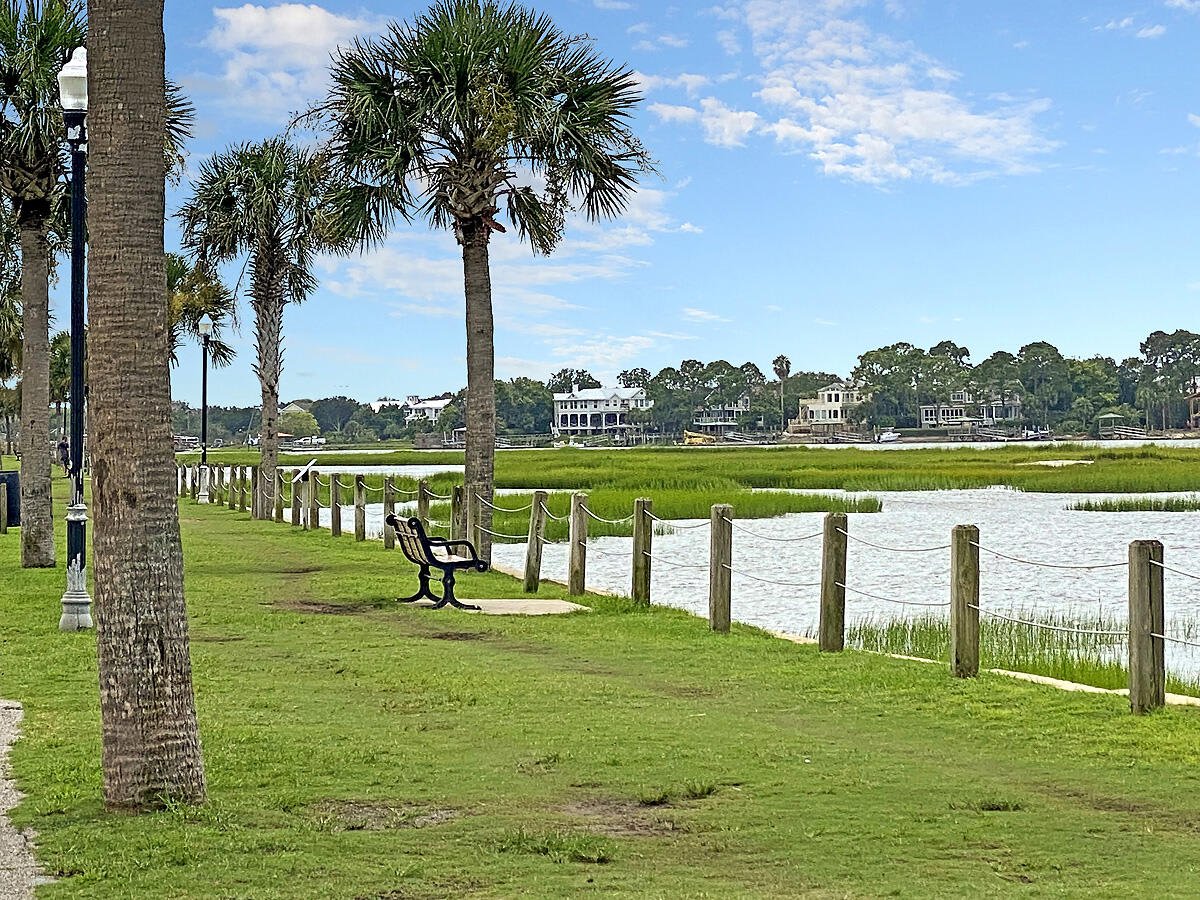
[(434, 552)]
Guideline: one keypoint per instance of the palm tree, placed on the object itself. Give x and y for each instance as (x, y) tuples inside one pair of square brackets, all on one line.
[(783, 368), (468, 107), (36, 37), (193, 292), (266, 201), (149, 735)]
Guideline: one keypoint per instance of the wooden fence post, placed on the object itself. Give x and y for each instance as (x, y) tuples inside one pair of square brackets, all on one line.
[(389, 509), (832, 629), (244, 489), (255, 498), (297, 488), (279, 480), (964, 601), (533, 550), (720, 558), (578, 534), (474, 510), (643, 546), (458, 514), (312, 521), (231, 489), (335, 504), (194, 481), (422, 503), (360, 508), (3, 507), (1147, 668)]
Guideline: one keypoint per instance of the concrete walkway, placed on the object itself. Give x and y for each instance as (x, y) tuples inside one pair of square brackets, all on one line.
[(19, 872), (516, 607)]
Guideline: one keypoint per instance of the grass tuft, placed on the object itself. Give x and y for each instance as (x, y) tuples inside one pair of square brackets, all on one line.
[(558, 845)]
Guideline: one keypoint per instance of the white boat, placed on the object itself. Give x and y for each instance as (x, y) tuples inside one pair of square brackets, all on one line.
[(887, 437)]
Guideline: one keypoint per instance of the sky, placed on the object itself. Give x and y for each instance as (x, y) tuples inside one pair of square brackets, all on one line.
[(833, 176)]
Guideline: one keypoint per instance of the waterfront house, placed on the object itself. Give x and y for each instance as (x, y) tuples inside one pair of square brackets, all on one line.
[(585, 412), (829, 411)]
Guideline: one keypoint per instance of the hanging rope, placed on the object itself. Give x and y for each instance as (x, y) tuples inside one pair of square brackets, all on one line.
[(770, 581), (1167, 568), (763, 537), (434, 496), (551, 515), (528, 506), (888, 599), (671, 524), (497, 534), (1045, 565), (1174, 640), (1042, 625), (624, 521), (859, 540), (676, 565)]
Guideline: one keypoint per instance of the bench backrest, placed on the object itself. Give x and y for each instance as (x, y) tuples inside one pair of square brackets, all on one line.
[(412, 540)]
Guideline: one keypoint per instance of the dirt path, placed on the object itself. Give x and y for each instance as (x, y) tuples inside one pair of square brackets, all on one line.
[(19, 872)]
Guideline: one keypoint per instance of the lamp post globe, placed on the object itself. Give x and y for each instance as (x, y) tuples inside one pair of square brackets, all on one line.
[(72, 88)]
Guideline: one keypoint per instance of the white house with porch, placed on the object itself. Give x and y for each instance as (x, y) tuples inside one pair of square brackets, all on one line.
[(720, 418), (829, 411), (962, 408), (427, 410), (584, 412)]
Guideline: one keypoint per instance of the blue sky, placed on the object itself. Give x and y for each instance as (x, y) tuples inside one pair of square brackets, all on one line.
[(836, 175)]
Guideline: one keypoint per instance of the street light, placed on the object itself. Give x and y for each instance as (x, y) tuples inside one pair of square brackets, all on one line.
[(205, 328), (72, 89)]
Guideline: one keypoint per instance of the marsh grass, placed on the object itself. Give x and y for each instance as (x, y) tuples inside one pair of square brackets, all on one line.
[(1139, 504), (1149, 469), (1096, 660)]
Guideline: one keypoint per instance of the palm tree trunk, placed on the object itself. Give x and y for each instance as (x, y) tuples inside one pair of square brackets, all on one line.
[(150, 739), (481, 380), (37, 516), (268, 303)]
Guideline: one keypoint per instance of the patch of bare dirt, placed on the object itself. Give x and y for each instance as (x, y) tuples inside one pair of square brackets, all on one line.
[(362, 815), (327, 609), (456, 636), (215, 638), (621, 817)]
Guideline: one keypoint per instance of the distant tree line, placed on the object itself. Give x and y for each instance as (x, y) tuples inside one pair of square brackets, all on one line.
[(1054, 390)]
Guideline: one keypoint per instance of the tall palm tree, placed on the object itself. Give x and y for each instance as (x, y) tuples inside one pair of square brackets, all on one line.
[(36, 37), (783, 368), (265, 201), (149, 735), (193, 292), (473, 105)]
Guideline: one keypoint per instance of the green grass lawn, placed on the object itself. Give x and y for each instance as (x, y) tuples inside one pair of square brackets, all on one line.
[(359, 749)]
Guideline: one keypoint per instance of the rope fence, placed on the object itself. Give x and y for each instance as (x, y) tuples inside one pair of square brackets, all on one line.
[(1145, 635)]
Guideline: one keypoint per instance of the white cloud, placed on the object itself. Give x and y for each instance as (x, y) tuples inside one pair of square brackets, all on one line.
[(1192, 6), (1116, 24), (865, 106), (276, 58), (689, 228), (674, 41), (729, 42), (611, 4), (689, 81), (701, 315), (669, 113), (723, 126), (1192, 117), (1152, 31)]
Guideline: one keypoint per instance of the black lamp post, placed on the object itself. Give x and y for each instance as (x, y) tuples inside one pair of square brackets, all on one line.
[(205, 328), (72, 88)]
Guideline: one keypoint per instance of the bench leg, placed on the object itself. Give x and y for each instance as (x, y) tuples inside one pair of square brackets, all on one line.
[(424, 593), (448, 597)]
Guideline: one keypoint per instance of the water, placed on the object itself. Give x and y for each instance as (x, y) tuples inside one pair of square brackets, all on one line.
[(1031, 526)]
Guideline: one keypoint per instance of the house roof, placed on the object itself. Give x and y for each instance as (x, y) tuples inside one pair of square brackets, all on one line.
[(601, 394)]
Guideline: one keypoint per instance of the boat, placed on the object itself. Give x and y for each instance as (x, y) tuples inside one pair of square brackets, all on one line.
[(887, 437)]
